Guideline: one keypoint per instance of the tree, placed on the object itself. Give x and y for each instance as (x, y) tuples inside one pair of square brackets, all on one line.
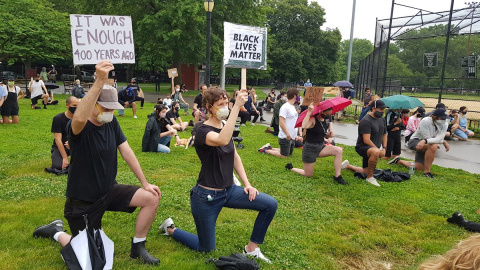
[(361, 48), (32, 29)]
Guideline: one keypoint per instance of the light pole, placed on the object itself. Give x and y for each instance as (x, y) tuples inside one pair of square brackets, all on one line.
[(208, 9)]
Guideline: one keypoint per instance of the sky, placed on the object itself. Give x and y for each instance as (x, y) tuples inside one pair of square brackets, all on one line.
[(339, 13)]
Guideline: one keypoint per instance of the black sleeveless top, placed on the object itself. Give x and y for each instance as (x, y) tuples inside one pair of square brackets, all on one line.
[(317, 133)]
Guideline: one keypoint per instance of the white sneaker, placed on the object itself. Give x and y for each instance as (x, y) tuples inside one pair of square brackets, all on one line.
[(345, 164), (135, 117), (242, 125), (168, 223), (256, 253), (373, 181), (253, 124), (265, 146)]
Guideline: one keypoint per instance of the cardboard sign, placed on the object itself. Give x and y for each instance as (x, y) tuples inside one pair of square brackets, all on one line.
[(313, 94), (331, 90), (101, 37), (172, 73), (245, 46)]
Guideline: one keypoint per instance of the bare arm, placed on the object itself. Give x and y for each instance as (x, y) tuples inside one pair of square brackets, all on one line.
[(248, 189), (84, 108), (283, 126), (2, 99), (224, 137), (127, 154), (20, 95), (307, 121), (368, 141), (61, 148)]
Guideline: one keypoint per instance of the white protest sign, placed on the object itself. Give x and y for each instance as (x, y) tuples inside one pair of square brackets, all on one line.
[(245, 46), (102, 37)]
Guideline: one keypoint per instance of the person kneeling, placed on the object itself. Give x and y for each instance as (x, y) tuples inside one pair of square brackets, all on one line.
[(316, 128), (158, 132)]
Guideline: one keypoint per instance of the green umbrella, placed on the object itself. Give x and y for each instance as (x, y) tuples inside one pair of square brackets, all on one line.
[(401, 102)]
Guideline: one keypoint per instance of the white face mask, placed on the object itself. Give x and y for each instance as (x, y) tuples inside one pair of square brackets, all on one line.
[(222, 113), (162, 115), (440, 122), (104, 117), (284, 99), (178, 89)]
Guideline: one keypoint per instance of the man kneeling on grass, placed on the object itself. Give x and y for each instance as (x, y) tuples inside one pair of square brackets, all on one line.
[(372, 134), (430, 133), (94, 136)]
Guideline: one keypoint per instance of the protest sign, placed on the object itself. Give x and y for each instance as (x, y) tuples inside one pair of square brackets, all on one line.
[(172, 73), (245, 46), (313, 94), (102, 37)]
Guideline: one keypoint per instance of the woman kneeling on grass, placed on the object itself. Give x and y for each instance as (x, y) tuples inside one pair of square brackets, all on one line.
[(215, 188), (315, 146)]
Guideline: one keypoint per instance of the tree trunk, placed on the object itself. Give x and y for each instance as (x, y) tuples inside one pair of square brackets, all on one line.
[(130, 69), (178, 64), (78, 73)]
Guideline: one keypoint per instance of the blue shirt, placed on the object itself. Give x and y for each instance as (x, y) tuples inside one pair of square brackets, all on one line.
[(248, 104), (3, 92)]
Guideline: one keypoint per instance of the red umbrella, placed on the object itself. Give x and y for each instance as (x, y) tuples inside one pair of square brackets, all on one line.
[(336, 103)]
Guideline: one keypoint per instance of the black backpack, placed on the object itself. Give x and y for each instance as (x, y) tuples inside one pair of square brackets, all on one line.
[(235, 262)]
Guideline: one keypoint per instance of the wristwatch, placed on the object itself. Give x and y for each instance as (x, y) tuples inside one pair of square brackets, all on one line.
[(426, 141)]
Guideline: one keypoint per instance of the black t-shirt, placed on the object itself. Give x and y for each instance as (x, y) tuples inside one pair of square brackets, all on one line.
[(232, 100), (217, 161), (198, 100), (134, 87), (59, 125), (162, 126), (93, 166), (376, 127), (318, 132), (172, 114)]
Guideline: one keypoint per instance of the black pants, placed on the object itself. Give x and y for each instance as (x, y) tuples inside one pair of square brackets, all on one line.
[(394, 143), (244, 117), (141, 99), (255, 114), (157, 86)]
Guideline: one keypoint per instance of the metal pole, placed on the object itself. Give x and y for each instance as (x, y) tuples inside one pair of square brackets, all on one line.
[(386, 53), (222, 76), (351, 42), (445, 52), (207, 72)]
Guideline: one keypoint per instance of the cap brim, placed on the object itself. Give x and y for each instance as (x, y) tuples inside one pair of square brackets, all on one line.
[(111, 105)]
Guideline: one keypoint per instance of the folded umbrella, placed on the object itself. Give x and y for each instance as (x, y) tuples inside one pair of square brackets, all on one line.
[(51, 85), (336, 103), (397, 102)]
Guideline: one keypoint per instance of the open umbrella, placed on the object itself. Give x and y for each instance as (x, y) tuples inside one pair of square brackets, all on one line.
[(336, 103), (343, 84), (397, 102)]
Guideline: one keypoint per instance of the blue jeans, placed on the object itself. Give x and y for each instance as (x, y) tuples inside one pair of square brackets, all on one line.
[(205, 212), (162, 144), (364, 112)]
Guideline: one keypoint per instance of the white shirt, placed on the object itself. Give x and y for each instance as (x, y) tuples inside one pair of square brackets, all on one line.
[(168, 102), (290, 114), (37, 88)]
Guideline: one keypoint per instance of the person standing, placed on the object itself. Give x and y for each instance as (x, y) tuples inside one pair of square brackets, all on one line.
[(94, 137), (60, 149), (394, 134), (215, 189), (372, 134), (287, 134), (305, 85), (44, 74), (10, 103), (38, 91), (158, 76), (52, 74)]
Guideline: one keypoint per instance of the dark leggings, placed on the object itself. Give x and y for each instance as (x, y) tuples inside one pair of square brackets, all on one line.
[(137, 98)]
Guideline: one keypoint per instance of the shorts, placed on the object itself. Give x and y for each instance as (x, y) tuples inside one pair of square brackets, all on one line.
[(462, 134), (35, 99), (419, 156), (7, 110), (286, 147), (117, 200), (311, 151), (362, 151)]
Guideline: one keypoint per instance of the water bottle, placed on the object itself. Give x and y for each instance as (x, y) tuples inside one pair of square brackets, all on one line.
[(412, 168)]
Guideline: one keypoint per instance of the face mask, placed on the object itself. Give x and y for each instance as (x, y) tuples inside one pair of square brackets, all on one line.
[(222, 114), (177, 109), (378, 114), (178, 89), (440, 122), (104, 117), (36, 80), (11, 83), (72, 109), (419, 115), (162, 115), (464, 112), (325, 116), (284, 99)]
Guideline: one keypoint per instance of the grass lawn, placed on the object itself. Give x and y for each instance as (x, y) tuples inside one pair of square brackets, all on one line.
[(319, 224)]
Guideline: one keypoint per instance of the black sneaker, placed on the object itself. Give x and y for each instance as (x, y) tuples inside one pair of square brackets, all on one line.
[(394, 160), (429, 175), (457, 218), (340, 180), (262, 120), (49, 230), (289, 166)]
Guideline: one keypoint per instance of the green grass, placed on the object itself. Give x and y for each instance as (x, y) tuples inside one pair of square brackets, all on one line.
[(319, 224)]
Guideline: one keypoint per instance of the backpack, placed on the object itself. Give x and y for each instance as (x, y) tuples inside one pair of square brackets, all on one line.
[(235, 262)]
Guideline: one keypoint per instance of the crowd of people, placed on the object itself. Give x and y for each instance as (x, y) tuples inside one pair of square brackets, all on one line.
[(88, 124)]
